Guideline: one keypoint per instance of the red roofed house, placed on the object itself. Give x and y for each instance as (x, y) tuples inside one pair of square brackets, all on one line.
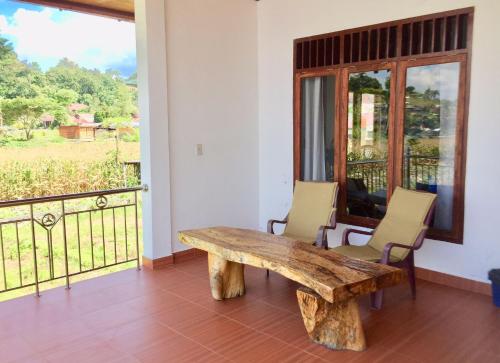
[(83, 119), (75, 107)]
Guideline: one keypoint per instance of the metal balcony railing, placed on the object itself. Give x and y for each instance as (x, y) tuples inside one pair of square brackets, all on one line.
[(57, 237), (372, 172), (419, 172)]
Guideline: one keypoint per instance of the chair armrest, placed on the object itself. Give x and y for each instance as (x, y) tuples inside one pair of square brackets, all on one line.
[(386, 255), (388, 247), (322, 236), (271, 222), (348, 231)]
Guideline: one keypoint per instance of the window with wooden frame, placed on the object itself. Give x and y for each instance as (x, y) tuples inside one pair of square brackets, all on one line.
[(384, 106)]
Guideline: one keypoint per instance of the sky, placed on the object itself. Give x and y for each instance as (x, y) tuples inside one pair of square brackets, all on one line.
[(440, 77), (45, 35)]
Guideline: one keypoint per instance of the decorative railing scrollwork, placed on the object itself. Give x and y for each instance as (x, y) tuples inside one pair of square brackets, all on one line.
[(58, 237)]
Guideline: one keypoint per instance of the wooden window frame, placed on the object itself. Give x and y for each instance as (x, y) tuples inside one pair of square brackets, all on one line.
[(398, 66), (346, 72), (456, 233), (297, 137)]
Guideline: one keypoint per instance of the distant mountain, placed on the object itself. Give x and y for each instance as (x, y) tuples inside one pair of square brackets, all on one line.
[(126, 67), (132, 80)]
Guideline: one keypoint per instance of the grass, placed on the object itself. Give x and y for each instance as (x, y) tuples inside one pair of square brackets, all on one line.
[(48, 165), (40, 138)]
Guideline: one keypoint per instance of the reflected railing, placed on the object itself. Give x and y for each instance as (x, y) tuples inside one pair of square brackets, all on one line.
[(58, 237), (420, 173), (373, 173)]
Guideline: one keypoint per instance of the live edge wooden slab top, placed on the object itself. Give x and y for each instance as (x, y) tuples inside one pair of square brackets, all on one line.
[(333, 276), (332, 281)]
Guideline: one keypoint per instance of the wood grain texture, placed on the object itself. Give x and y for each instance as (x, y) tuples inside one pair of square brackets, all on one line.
[(336, 326), (333, 276), (226, 278)]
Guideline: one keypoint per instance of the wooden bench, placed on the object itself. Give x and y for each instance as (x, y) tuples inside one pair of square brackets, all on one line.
[(331, 281)]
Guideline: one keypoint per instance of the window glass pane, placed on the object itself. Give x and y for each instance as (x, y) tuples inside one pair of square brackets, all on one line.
[(317, 128), (429, 134), (368, 114)]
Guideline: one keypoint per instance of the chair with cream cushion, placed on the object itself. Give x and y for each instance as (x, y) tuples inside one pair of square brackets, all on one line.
[(312, 214), (398, 235)]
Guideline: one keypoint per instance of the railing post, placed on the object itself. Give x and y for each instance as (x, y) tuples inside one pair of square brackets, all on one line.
[(136, 231), (3, 258), (50, 253), (91, 240), (19, 255), (65, 244), (33, 244), (408, 165), (103, 237)]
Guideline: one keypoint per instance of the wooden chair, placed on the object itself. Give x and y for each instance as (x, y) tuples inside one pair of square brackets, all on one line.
[(312, 214), (398, 235)]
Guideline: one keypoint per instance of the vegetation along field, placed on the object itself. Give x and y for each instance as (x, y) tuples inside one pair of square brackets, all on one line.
[(47, 165)]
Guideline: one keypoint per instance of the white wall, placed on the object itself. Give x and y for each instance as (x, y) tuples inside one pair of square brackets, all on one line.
[(281, 21), (212, 100)]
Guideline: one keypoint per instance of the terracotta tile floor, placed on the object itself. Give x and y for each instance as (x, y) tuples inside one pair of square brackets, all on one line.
[(169, 316)]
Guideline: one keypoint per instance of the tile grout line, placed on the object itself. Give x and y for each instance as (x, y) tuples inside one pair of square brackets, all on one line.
[(245, 325), (194, 341), (242, 324)]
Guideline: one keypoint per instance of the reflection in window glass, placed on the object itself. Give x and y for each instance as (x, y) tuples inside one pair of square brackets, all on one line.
[(368, 121), (429, 134), (317, 128)]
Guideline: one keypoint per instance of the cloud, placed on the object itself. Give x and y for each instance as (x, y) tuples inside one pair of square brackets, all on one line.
[(48, 35), (442, 77), (3, 23)]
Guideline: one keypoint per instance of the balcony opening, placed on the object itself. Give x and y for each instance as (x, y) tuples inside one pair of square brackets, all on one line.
[(70, 195)]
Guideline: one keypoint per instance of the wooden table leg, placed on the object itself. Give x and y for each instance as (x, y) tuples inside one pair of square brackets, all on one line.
[(337, 326), (226, 278)]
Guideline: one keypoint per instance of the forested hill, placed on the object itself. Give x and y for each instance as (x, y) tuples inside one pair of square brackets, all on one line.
[(106, 94)]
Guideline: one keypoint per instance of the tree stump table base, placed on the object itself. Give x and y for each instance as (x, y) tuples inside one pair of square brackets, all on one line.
[(335, 325), (226, 278)]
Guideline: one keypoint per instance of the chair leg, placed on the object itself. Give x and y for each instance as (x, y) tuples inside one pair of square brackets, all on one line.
[(267, 273), (376, 299), (411, 276)]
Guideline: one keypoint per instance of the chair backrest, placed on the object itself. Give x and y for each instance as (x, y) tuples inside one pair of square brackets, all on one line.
[(313, 205), (407, 215)]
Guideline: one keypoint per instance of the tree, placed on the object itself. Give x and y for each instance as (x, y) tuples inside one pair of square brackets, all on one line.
[(18, 79), (24, 113), (6, 48), (65, 97), (61, 116), (106, 94)]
